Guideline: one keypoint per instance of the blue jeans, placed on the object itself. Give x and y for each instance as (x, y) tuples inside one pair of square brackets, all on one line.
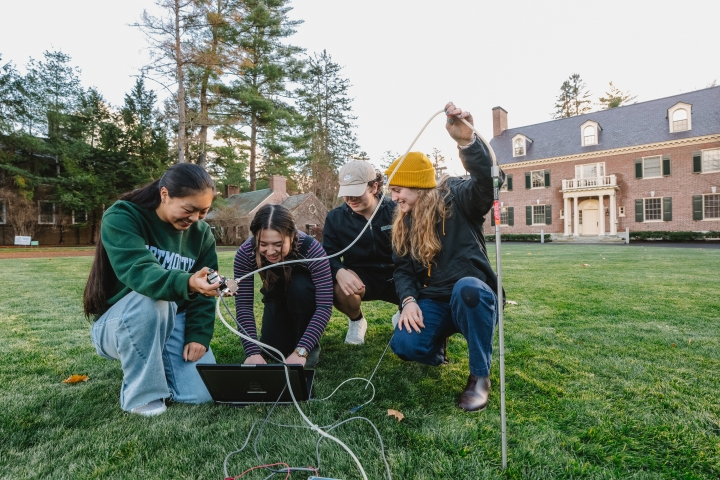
[(472, 311), (148, 337)]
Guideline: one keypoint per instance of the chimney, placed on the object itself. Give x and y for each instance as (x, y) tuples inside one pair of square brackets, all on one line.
[(231, 190), (499, 121), (277, 185)]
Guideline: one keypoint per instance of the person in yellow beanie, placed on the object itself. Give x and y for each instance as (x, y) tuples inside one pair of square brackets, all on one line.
[(442, 274)]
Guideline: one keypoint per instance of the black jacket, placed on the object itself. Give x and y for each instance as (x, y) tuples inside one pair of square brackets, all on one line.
[(463, 252), (372, 252)]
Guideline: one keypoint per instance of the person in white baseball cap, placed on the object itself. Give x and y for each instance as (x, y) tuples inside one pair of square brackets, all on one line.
[(365, 272)]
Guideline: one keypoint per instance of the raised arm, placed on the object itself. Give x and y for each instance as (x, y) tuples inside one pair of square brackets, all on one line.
[(474, 196)]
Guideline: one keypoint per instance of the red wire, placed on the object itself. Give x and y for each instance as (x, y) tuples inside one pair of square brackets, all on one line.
[(266, 466)]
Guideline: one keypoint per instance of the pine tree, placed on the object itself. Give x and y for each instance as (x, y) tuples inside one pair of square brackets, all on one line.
[(615, 98), (574, 98), (213, 54), (12, 91), (323, 101), (255, 102)]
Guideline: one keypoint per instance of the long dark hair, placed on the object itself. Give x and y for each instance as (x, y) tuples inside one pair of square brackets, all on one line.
[(181, 180), (278, 218)]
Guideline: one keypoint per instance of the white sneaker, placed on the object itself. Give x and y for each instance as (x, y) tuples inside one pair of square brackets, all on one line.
[(356, 332), (396, 319), (150, 409)]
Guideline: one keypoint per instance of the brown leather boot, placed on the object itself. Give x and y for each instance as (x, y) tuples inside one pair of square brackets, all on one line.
[(475, 396)]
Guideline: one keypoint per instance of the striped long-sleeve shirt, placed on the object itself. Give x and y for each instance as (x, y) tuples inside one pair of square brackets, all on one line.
[(244, 299)]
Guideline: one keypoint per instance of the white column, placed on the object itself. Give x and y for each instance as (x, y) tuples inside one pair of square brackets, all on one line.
[(575, 217), (613, 214), (566, 204), (602, 215)]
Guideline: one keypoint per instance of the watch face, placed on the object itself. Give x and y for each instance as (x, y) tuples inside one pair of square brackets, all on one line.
[(302, 352)]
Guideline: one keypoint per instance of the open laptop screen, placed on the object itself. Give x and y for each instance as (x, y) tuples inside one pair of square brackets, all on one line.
[(246, 384)]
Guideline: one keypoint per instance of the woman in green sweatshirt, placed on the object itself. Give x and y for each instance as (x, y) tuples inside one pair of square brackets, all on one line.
[(148, 290)]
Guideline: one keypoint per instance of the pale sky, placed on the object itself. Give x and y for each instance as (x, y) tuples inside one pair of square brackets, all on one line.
[(406, 59)]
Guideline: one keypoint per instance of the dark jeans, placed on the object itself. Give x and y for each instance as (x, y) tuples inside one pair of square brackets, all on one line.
[(472, 311), (288, 311)]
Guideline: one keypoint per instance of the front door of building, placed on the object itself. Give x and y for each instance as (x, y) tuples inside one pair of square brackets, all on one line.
[(590, 222)]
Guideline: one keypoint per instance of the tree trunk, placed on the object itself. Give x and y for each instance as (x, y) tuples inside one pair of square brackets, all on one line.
[(204, 104), (253, 154), (181, 87)]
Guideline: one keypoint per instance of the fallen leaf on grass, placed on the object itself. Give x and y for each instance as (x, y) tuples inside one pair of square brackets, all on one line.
[(511, 302), (673, 345), (76, 379), (585, 264), (396, 414)]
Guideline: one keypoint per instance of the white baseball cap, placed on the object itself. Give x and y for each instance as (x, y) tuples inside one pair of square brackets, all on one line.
[(354, 177)]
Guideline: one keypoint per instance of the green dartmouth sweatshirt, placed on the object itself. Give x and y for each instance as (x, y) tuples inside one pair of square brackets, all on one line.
[(154, 259)]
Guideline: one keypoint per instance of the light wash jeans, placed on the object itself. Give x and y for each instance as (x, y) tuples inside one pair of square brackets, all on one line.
[(148, 337), (472, 311)]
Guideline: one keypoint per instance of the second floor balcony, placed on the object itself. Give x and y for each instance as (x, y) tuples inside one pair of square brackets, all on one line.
[(590, 183)]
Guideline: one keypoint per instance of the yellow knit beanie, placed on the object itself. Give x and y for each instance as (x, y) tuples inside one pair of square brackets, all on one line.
[(416, 171)]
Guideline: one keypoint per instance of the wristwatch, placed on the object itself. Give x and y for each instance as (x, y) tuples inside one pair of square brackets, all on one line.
[(302, 352)]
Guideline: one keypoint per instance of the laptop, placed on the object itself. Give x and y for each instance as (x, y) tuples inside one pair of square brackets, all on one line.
[(237, 384)]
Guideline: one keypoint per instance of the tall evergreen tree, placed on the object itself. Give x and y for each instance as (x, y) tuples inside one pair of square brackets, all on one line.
[(323, 101), (615, 98), (574, 98), (213, 53), (12, 92), (256, 101)]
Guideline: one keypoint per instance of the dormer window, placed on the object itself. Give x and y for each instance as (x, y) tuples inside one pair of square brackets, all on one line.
[(680, 117), (679, 120), (589, 133), (520, 145)]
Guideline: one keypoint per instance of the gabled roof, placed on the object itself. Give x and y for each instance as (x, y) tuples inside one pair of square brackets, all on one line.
[(291, 203), (246, 202), (636, 124)]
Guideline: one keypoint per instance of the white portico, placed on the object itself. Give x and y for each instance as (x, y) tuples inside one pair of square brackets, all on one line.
[(584, 200)]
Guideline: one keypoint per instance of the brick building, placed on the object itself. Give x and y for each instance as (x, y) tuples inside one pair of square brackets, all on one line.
[(652, 165)]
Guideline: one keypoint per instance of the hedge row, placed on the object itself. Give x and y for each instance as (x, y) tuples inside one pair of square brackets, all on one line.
[(519, 237), (673, 236)]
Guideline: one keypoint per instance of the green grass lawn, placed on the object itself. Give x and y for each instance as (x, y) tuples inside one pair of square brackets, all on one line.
[(613, 371)]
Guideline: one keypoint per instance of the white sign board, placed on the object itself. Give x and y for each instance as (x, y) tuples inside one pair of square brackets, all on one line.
[(22, 240)]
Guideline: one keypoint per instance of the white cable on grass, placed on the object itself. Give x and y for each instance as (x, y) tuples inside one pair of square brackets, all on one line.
[(292, 394)]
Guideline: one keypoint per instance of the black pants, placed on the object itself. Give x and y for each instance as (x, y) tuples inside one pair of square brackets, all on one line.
[(288, 311)]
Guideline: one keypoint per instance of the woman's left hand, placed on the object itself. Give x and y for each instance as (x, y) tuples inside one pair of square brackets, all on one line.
[(461, 133), (295, 359), (193, 352)]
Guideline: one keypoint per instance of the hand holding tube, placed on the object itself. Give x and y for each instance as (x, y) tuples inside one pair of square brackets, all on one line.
[(461, 133)]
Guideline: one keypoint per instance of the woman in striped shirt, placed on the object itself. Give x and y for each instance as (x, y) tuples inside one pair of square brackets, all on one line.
[(297, 297)]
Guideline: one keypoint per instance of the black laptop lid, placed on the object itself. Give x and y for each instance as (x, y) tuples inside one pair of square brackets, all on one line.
[(247, 384)]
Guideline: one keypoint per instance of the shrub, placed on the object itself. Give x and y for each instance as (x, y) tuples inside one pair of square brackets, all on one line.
[(665, 236), (519, 237)]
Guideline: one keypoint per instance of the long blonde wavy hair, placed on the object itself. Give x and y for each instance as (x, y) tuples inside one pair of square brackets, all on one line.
[(423, 243)]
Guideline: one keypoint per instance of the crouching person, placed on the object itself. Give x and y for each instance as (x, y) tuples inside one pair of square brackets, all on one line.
[(365, 271), (443, 276), (297, 297), (149, 293)]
